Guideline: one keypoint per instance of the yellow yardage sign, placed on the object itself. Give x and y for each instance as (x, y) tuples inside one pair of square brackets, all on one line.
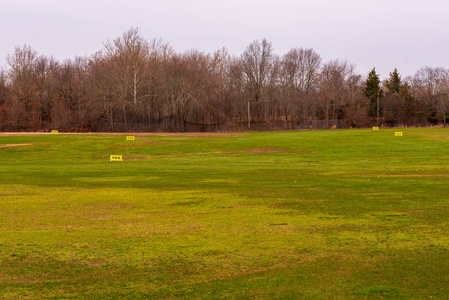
[(130, 138), (398, 134), (375, 128), (54, 131), (115, 158)]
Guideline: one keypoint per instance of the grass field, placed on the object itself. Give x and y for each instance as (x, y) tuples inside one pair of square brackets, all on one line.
[(277, 215)]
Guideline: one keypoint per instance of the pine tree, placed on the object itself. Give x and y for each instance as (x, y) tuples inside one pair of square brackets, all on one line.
[(372, 91), (394, 83)]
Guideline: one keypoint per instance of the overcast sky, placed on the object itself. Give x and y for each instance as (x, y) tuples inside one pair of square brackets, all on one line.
[(406, 34)]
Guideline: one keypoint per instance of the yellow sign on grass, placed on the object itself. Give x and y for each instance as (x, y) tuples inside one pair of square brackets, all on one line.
[(130, 138), (54, 131), (375, 128), (398, 134), (115, 158)]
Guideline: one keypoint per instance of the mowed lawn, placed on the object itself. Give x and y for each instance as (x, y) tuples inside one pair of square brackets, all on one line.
[(278, 215)]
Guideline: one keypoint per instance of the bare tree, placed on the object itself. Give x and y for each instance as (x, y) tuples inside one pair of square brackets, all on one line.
[(22, 76), (191, 87), (221, 66), (129, 56), (236, 87), (333, 77), (357, 106), (159, 54), (46, 89), (4, 96), (257, 61), (299, 77), (427, 84), (102, 88), (74, 107)]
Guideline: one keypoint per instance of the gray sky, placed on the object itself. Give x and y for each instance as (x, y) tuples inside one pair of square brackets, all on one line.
[(406, 34)]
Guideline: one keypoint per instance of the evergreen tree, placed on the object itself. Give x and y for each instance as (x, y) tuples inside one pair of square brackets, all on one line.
[(394, 83), (372, 91), (402, 104), (405, 93), (372, 87)]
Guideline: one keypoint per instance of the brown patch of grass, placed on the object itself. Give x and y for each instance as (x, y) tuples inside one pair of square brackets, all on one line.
[(200, 134), (23, 133), (252, 151), (13, 145), (264, 150)]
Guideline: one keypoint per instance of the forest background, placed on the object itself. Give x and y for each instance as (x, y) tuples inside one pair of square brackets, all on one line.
[(136, 84)]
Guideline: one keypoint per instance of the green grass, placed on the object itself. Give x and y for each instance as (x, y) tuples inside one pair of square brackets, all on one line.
[(276, 215)]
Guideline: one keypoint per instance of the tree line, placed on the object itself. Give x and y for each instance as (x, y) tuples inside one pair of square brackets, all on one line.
[(134, 84)]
